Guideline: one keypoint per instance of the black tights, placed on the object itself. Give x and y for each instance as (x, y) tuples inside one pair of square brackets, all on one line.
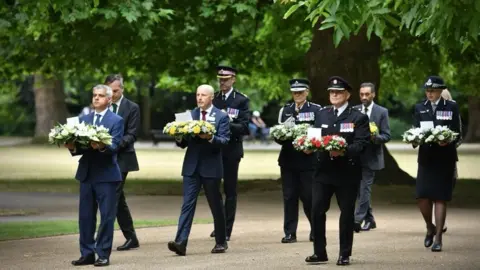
[(426, 208)]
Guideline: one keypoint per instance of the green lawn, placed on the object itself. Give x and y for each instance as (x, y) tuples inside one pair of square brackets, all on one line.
[(44, 162), (35, 229)]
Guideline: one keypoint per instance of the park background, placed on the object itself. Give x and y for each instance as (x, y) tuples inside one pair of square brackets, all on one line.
[(54, 52)]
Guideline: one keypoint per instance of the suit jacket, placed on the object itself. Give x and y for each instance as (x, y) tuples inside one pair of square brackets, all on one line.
[(237, 107), (204, 157), (96, 166), (434, 154), (345, 169), (127, 158), (372, 158), (290, 158)]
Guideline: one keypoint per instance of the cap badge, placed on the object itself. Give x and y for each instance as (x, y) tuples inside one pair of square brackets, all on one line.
[(429, 82), (334, 81)]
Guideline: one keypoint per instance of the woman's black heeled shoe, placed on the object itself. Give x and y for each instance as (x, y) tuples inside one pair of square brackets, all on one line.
[(429, 238), (437, 247)]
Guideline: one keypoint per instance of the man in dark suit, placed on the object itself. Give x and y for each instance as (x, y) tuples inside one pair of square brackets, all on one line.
[(372, 158), (296, 167), (235, 104), (338, 172), (127, 158), (99, 177), (202, 166)]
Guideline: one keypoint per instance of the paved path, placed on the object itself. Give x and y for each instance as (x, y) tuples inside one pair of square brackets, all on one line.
[(396, 244)]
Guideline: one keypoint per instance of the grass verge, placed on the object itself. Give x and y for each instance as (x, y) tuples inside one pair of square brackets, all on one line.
[(36, 229), (17, 212)]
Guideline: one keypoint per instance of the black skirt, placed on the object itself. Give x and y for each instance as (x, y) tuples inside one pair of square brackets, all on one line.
[(435, 182)]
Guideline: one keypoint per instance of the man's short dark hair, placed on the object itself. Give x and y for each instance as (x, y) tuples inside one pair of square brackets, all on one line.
[(114, 77), (368, 84)]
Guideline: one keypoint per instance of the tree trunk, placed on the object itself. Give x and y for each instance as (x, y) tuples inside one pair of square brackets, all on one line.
[(356, 60), (473, 132), (50, 107)]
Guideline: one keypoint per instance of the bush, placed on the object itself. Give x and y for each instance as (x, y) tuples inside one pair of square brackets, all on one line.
[(398, 127)]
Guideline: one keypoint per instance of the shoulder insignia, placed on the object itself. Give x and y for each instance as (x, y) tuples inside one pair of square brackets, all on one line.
[(326, 107), (315, 104), (238, 92)]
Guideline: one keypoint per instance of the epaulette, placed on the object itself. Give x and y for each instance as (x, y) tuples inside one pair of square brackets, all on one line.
[(288, 105), (357, 107), (315, 104), (235, 90), (326, 107)]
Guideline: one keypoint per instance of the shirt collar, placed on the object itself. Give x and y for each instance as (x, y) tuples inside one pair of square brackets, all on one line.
[(209, 110), (119, 101), (369, 107), (102, 113), (436, 102), (228, 93), (341, 109)]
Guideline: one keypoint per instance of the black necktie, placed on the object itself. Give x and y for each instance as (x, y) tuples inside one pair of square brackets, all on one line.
[(115, 106), (366, 110), (97, 121), (224, 97), (336, 112)]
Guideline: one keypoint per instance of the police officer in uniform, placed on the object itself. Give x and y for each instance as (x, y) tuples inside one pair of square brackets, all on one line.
[(236, 105), (436, 162), (337, 172), (296, 168)]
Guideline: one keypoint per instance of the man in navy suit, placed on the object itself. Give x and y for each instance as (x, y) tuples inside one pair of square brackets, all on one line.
[(99, 177), (202, 166)]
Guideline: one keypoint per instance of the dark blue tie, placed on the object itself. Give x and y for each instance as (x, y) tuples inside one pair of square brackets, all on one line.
[(97, 122)]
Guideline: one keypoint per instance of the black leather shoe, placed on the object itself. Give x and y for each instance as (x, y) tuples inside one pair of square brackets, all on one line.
[(220, 248), (357, 227), (290, 238), (369, 225), (101, 262), (444, 229), (212, 234), (311, 238), (84, 260), (343, 260), (129, 244), (429, 238), (179, 248), (227, 238), (437, 247), (316, 258)]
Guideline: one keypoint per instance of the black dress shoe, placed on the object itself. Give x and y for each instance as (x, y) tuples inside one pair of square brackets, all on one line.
[(290, 238), (429, 238), (357, 227), (227, 238), (220, 248), (129, 244), (101, 262), (311, 238), (444, 229), (369, 225), (316, 258), (85, 260), (179, 248), (437, 247), (343, 260), (212, 234)]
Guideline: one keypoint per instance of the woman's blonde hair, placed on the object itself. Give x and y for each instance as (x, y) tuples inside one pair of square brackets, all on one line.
[(446, 94)]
